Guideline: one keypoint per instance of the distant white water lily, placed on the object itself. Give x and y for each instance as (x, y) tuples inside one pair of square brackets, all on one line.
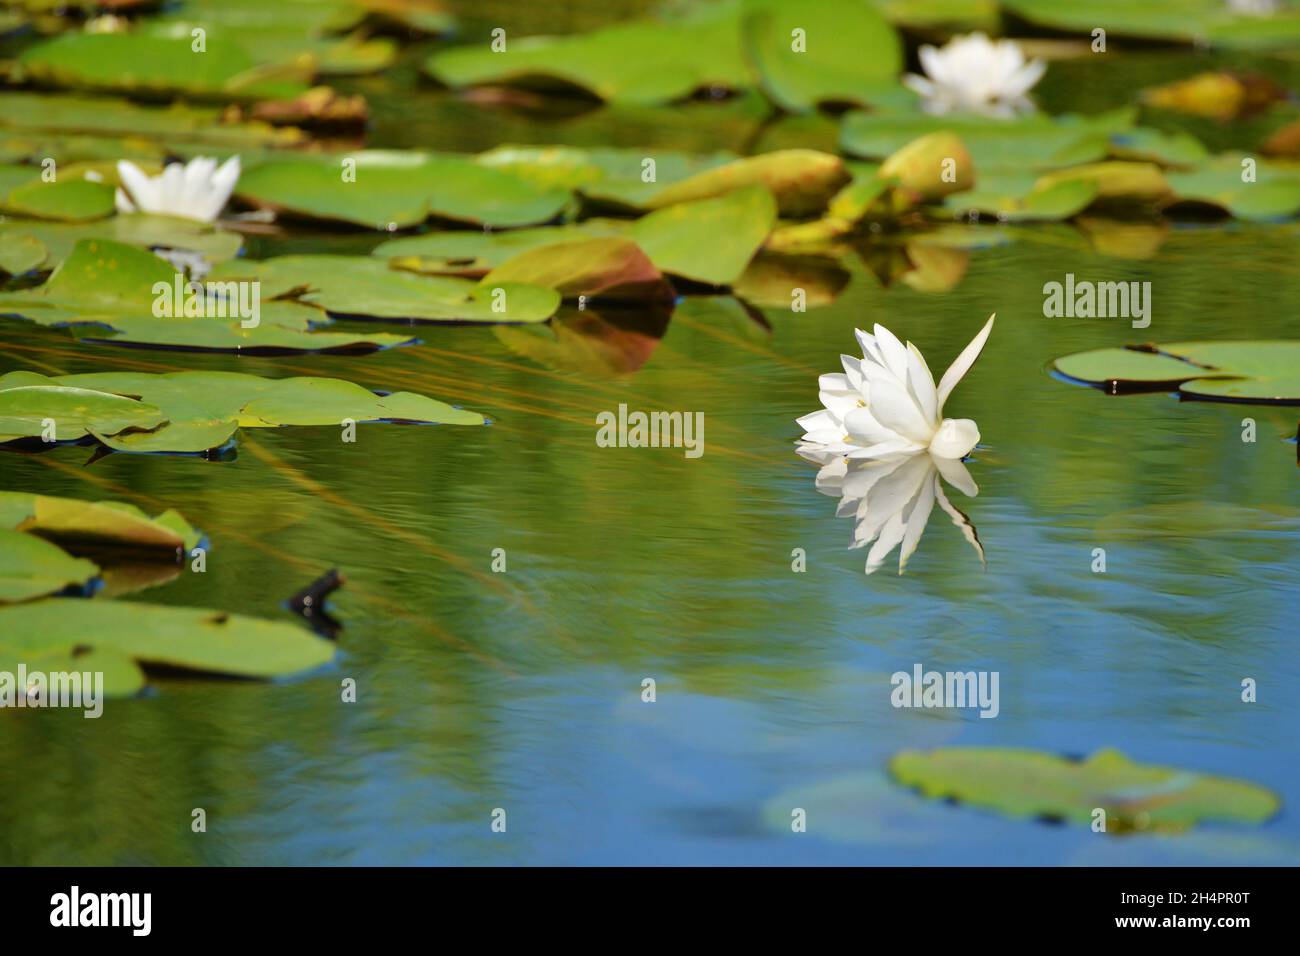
[(974, 74), (198, 189), (886, 403)]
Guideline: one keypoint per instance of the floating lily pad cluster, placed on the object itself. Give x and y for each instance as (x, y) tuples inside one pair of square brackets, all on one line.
[(1215, 371), (52, 546)]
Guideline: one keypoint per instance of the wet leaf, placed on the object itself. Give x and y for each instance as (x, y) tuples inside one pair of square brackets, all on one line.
[(20, 252), (190, 638), (1029, 783), (34, 411), (710, 240), (602, 268), (31, 567), (821, 51)]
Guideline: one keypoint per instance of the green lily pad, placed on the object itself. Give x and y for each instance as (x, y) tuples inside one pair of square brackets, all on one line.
[(475, 254), (74, 413), (65, 200), (1195, 21), (1035, 142), (20, 253), (395, 189), (1029, 783), (148, 63), (605, 268), (1274, 195), (1257, 371), (1156, 146), (364, 286), (651, 61), (1025, 198), (191, 638), (820, 51), (119, 675), (202, 410), (32, 567), (71, 521), (104, 290), (709, 240), (136, 229)]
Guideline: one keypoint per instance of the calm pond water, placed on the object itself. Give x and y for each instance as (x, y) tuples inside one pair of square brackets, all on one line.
[(522, 690)]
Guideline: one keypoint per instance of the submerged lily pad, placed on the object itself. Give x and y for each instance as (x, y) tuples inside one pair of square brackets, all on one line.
[(821, 51), (191, 638), (365, 287), (393, 189), (1029, 783), (71, 521), (1258, 371), (651, 61), (31, 567)]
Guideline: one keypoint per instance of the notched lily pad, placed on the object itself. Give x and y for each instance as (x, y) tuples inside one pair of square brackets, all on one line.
[(31, 567), (1254, 372), (1033, 784)]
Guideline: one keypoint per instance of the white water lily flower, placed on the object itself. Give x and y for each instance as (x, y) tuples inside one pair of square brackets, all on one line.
[(977, 75), (886, 403), (890, 500), (198, 189)]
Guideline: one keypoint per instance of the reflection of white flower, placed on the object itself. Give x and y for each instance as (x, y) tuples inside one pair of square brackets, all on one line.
[(886, 403), (890, 500), (977, 75), (198, 189)]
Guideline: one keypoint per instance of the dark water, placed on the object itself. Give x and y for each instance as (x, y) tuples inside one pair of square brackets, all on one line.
[(522, 690)]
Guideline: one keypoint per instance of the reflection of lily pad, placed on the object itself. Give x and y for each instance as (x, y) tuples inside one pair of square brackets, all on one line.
[(366, 287), (1273, 194), (31, 567), (137, 229), (857, 808), (1028, 783), (1024, 198), (1259, 371), (821, 51), (395, 189), (649, 61), (607, 268), (189, 638)]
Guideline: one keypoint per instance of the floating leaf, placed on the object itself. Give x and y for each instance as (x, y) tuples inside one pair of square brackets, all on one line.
[(1136, 182), (642, 62), (710, 240), (1260, 371), (190, 638), (137, 229), (71, 521), (365, 287), (118, 675), (141, 62), (1029, 783), (1273, 195), (820, 51), (31, 567), (608, 268), (65, 200), (475, 254), (20, 252), (35, 411), (1025, 198), (1198, 21), (394, 189)]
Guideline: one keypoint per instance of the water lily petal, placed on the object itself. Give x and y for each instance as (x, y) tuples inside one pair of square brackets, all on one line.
[(962, 364), (955, 438), (894, 407), (954, 472)]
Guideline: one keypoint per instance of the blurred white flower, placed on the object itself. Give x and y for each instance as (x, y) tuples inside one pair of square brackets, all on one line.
[(886, 403), (890, 500), (198, 189), (976, 75)]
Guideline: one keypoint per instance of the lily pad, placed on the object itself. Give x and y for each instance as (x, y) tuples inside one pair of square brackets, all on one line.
[(364, 286), (1024, 197), (191, 638), (31, 567), (1273, 195), (1029, 783), (394, 189), (650, 61), (1195, 21), (148, 63), (69, 414), (198, 411), (136, 229), (602, 268), (119, 675), (821, 51), (475, 254), (1257, 371), (72, 522)]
